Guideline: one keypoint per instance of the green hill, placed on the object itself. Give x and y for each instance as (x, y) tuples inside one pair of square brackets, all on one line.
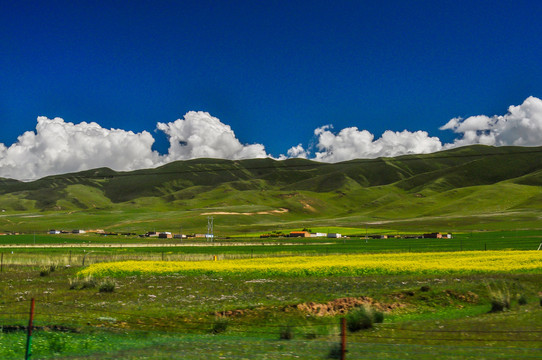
[(487, 182)]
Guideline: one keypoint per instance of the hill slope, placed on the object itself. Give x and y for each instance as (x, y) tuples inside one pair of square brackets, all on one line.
[(469, 180)]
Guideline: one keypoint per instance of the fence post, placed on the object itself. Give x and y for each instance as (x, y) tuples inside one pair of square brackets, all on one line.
[(29, 333), (343, 338)]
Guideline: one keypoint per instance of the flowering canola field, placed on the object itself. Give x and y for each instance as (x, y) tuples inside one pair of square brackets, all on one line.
[(341, 265)]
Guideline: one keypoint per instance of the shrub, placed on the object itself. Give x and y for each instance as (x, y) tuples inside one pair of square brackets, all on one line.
[(107, 285), (219, 325), (498, 305), (522, 299), (499, 298), (359, 319), (335, 352), (378, 317), (286, 332), (86, 282), (46, 270), (363, 318), (425, 288)]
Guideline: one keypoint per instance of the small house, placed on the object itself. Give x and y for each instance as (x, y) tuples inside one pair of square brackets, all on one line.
[(436, 235), (300, 234)]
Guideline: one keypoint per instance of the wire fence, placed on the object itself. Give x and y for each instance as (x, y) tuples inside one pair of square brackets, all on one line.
[(127, 332)]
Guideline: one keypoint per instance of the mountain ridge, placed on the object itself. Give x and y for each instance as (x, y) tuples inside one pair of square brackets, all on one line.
[(468, 180)]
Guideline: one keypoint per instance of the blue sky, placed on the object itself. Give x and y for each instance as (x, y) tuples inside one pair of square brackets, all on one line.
[(272, 70)]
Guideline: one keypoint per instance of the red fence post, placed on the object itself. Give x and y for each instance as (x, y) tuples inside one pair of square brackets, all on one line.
[(343, 338), (29, 336)]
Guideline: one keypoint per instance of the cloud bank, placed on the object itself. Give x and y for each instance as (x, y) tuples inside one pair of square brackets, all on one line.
[(199, 135), (351, 143), (521, 126), (57, 146)]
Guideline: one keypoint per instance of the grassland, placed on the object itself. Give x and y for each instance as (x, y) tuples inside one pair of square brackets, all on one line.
[(173, 315), (489, 198)]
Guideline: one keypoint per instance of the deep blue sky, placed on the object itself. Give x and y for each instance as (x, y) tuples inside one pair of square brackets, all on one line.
[(272, 70)]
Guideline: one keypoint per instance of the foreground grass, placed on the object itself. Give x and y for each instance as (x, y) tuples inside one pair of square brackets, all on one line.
[(170, 316), (514, 334)]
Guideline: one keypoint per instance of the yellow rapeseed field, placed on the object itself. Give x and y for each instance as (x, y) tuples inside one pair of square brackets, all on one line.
[(344, 265)]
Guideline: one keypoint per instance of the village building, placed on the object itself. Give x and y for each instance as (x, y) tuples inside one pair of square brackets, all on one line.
[(300, 234)]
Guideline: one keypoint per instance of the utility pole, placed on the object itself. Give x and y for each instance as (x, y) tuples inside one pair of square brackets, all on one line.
[(210, 226)]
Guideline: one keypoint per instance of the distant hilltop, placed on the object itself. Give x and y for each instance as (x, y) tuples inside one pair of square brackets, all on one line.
[(467, 180)]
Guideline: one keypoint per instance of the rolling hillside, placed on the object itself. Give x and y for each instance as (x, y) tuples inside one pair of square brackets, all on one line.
[(462, 182)]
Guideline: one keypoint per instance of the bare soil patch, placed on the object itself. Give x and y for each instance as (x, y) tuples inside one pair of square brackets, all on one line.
[(331, 308), (270, 212)]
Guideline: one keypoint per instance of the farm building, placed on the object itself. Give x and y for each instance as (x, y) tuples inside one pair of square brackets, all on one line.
[(436, 235), (318, 234), (96, 231), (165, 235), (334, 235), (300, 234)]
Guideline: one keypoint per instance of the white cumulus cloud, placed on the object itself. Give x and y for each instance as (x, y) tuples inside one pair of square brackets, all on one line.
[(296, 152), (57, 146), (521, 126), (201, 135), (351, 143), (60, 147)]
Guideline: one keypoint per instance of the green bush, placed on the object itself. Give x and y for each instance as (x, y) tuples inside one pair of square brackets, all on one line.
[(499, 298), (46, 270), (106, 285), (286, 332), (363, 318), (378, 317), (86, 282), (335, 352), (219, 325), (522, 299), (359, 319)]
